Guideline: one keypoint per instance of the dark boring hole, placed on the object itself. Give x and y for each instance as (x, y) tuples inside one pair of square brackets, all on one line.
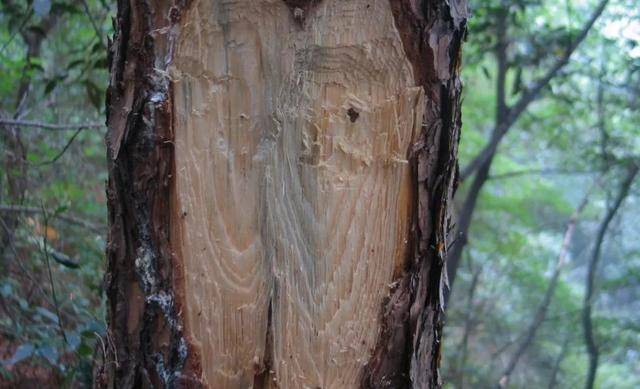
[(353, 114)]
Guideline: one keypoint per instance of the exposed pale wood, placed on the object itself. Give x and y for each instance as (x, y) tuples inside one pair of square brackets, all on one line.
[(293, 191)]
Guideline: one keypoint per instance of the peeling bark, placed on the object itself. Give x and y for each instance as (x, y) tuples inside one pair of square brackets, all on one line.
[(146, 343), (408, 351)]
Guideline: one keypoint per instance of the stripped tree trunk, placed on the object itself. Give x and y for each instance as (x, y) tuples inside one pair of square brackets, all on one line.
[(281, 174)]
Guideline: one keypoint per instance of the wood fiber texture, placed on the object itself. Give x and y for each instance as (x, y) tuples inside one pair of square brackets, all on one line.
[(280, 183), (293, 215)]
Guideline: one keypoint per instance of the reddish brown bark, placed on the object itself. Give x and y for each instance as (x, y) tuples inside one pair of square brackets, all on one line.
[(146, 346), (408, 352)]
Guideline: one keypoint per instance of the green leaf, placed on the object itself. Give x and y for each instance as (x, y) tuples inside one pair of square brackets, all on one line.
[(23, 352), (50, 86), (97, 47), (66, 7), (101, 63), (48, 314), (36, 63), (50, 353), (74, 340), (75, 63), (85, 350), (94, 93)]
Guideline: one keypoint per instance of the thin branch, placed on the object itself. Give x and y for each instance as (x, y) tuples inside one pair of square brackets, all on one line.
[(64, 149), (56, 304), (20, 261), (517, 173), (502, 110), (468, 327), (553, 380), (93, 23), (16, 32), (98, 229), (50, 126)]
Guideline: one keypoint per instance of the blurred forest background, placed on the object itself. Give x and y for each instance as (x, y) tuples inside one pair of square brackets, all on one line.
[(545, 272)]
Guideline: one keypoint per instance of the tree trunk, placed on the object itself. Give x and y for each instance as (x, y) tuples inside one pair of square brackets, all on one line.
[(281, 175), (587, 321)]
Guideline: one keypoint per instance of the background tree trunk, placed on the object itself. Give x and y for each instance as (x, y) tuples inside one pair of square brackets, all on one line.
[(587, 306), (281, 174)]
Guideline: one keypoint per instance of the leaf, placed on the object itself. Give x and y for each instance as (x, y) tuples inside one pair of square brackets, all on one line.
[(85, 350), (6, 290), (486, 72), (42, 7), (52, 234), (75, 63), (50, 86), (23, 352), (517, 82), (73, 339), (65, 7), (50, 353), (101, 63), (94, 93), (36, 63), (97, 47), (48, 314), (62, 208), (65, 260)]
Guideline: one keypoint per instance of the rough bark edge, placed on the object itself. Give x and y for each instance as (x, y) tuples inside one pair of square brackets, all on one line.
[(408, 351), (145, 345)]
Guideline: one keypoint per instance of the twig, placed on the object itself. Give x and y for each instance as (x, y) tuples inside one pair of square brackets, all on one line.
[(64, 149), (517, 173), (93, 23), (24, 23), (50, 126), (98, 229), (56, 305), (20, 263)]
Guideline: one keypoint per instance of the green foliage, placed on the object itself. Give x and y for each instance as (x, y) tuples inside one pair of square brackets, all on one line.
[(55, 50), (566, 140)]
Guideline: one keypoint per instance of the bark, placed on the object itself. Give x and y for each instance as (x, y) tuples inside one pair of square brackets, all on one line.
[(281, 177), (506, 117), (587, 321)]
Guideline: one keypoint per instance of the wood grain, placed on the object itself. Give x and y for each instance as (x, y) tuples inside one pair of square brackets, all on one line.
[(293, 189)]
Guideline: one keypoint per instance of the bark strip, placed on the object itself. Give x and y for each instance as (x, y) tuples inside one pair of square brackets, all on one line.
[(146, 346), (408, 351)]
